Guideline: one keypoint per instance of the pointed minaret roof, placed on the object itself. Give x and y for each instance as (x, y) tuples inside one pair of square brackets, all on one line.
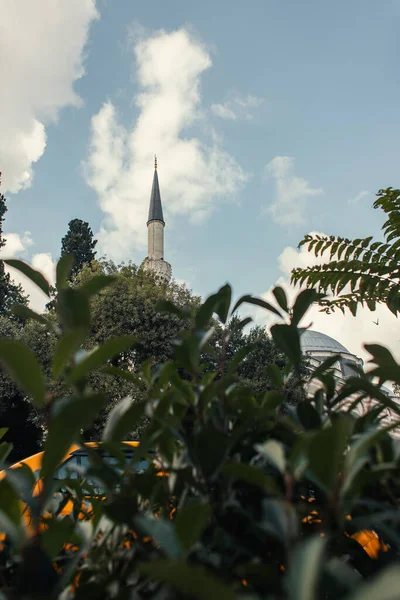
[(155, 209)]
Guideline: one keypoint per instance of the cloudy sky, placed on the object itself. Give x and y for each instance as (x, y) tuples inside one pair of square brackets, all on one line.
[(270, 120)]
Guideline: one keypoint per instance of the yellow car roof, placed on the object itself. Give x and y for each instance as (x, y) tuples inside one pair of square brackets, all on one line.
[(34, 462)]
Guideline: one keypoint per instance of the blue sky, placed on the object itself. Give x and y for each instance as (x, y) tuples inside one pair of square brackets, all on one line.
[(309, 88)]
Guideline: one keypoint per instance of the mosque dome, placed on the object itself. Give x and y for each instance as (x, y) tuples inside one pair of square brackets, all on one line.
[(314, 341)]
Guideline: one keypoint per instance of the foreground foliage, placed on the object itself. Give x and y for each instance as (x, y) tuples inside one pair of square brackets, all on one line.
[(259, 498), (360, 271)]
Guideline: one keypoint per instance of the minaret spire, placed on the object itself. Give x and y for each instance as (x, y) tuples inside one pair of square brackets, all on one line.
[(155, 229), (155, 208)]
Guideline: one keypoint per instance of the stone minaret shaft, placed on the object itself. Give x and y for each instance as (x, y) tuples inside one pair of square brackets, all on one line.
[(155, 222), (155, 230)]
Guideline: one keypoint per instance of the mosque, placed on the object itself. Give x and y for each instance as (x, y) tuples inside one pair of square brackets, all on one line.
[(315, 345)]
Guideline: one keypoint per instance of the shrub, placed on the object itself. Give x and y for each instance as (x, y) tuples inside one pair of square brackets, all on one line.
[(258, 499)]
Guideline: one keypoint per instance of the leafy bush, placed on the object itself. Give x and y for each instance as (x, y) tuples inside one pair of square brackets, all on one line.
[(257, 498)]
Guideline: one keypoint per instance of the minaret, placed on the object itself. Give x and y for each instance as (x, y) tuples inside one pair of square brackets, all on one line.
[(155, 232)]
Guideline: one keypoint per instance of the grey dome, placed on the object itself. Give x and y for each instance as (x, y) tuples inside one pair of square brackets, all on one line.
[(314, 341)]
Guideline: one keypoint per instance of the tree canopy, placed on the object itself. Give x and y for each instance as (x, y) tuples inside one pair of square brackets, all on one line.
[(10, 293), (79, 242), (360, 271)]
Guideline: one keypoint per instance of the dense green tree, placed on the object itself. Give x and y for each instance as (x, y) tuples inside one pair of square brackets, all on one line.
[(79, 242), (360, 271), (254, 371), (10, 293), (16, 411)]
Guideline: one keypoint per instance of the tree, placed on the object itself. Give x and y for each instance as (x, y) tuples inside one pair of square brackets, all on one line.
[(79, 242), (254, 371), (129, 307), (16, 411), (360, 271), (10, 293)]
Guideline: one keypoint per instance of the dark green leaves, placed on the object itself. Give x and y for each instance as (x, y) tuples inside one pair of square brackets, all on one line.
[(32, 274), (162, 532), (97, 357), (24, 368), (287, 339), (257, 302), (73, 307), (302, 304), (301, 581), (123, 418), (26, 313), (94, 285), (326, 452), (191, 522), (70, 415), (64, 269), (191, 580)]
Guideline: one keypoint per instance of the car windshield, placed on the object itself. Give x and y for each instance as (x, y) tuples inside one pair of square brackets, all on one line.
[(75, 466)]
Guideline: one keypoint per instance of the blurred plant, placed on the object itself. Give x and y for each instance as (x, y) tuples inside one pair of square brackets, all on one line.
[(255, 502)]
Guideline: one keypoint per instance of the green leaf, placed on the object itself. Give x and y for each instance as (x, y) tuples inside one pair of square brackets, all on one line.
[(19, 310), (252, 475), (275, 374), (123, 419), (272, 400), (303, 302), (384, 586), (166, 306), (279, 520), (239, 356), (56, 534), (96, 358), (161, 531), (223, 302), (302, 578), (73, 308), (191, 580), (325, 366), (190, 523), (308, 416), (22, 365), (5, 449), (281, 298), (64, 270), (218, 303), (10, 511), (326, 452), (66, 348), (258, 302), (274, 453), (287, 339), (70, 416), (32, 274), (94, 285)]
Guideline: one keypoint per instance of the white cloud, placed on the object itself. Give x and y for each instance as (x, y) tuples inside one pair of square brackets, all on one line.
[(223, 111), (237, 107), (42, 55), (17, 246), (292, 192), (352, 332), (356, 199), (193, 175)]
